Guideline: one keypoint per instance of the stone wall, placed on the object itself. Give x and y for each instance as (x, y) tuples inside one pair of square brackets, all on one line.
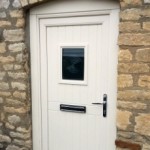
[(133, 115)]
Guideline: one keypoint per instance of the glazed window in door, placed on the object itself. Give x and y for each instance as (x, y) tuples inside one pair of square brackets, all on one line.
[(73, 64)]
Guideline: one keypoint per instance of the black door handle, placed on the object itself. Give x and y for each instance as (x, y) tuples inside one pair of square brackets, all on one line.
[(104, 105)]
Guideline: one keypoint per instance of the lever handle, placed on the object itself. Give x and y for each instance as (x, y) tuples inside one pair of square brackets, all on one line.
[(104, 105)]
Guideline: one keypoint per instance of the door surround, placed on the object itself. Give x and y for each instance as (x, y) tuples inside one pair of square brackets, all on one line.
[(36, 15)]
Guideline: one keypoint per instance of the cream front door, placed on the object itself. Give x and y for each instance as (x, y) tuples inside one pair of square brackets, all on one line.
[(77, 78)]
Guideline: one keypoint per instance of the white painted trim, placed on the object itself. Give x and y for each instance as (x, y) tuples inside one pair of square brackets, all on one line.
[(77, 45), (36, 68)]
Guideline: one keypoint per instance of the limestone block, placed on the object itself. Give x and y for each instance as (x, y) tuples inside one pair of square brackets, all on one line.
[(20, 135), (20, 23), (12, 147), (2, 15), (4, 86), (16, 4), (134, 39), (17, 47), (125, 3), (14, 119), (1, 100), (5, 94), (23, 143), (19, 58), (13, 102), (131, 105), (125, 81), (33, 1), (18, 85), (23, 130), (125, 56), (144, 81), (7, 59), (2, 47), (133, 68), (8, 67), (146, 26), (146, 146), (4, 138), (2, 75), (130, 14), (143, 124), (143, 55), (18, 67), (5, 23), (18, 75), (146, 12), (129, 27), (20, 95), (4, 4), (134, 95), (123, 119), (24, 3), (16, 14), (14, 35), (12, 110), (9, 126)]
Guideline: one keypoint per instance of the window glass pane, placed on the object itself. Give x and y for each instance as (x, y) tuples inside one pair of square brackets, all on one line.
[(73, 63)]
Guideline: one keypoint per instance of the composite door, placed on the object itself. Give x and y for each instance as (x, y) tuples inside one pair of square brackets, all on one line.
[(77, 77)]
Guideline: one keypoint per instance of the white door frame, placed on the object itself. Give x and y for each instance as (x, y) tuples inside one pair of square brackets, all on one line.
[(37, 66)]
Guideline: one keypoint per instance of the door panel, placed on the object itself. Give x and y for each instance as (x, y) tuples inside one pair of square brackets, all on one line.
[(69, 130)]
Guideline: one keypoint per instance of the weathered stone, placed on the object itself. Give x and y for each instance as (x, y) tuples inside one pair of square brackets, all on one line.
[(24, 3), (143, 55), (14, 119), (125, 56), (23, 130), (9, 126), (19, 58), (2, 116), (147, 1), (2, 15), (125, 3), (1, 100), (17, 47), (125, 81), (123, 119), (20, 23), (18, 85), (20, 95), (20, 135), (13, 102), (18, 75), (18, 67), (12, 147), (14, 35), (16, 13), (2, 47), (131, 105), (146, 26), (133, 68), (5, 94), (135, 39), (4, 4), (5, 23), (2, 75), (129, 26), (127, 135), (33, 1), (143, 124), (7, 59), (130, 14), (146, 146), (16, 4), (8, 67), (1, 145), (4, 138), (23, 143), (146, 12), (4, 86), (144, 81), (134, 95), (20, 110)]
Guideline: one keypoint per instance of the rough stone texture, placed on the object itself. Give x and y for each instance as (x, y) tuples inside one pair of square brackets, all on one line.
[(125, 81), (125, 3), (4, 138), (125, 56), (14, 119), (146, 26), (144, 81), (143, 55), (143, 124), (4, 4), (18, 85), (12, 147), (17, 47), (123, 119), (2, 47)]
